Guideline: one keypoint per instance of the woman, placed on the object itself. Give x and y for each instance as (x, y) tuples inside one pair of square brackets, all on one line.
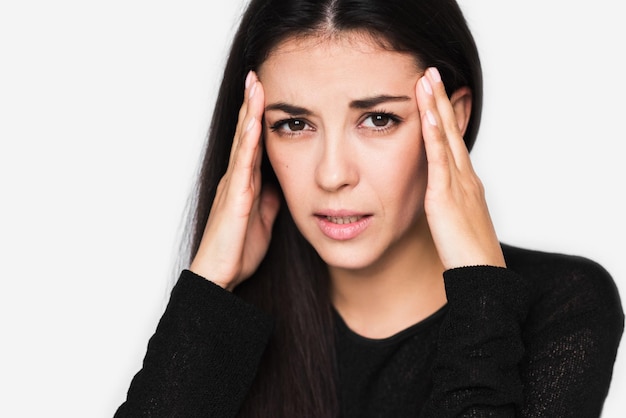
[(344, 261)]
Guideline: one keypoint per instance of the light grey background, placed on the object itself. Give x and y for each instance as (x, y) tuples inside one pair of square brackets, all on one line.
[(103, 111)]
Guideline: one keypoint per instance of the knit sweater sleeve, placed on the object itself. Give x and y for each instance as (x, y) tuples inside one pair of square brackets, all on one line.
[(541, 344), (480, 345), (574, 327), (203, 357)]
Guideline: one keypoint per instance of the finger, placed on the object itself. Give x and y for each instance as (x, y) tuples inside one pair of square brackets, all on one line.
[(438, 153), (240, 129), (258, 160), (450, 124), (246, 160)]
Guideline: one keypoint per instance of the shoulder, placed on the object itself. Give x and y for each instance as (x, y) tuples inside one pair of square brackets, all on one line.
[(543, 270), (565, 286), (571, 332)]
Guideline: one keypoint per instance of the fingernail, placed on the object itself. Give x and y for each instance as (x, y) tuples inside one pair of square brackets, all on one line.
[(427, 86), (252, 90), (431, 118), (250, 124), (248, 79), (434, 73)]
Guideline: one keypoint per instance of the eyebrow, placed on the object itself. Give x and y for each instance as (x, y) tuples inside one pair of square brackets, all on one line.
[(366, 103), (370, 102), (288, 108)]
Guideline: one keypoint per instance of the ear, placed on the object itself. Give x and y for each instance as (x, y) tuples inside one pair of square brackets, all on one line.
[(462, 105)]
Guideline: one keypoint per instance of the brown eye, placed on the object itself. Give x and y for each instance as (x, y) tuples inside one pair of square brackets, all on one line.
[(296, 125), (292, 127), (380, 120)]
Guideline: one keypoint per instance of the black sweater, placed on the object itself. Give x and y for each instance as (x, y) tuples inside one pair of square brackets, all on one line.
[(537, 339)]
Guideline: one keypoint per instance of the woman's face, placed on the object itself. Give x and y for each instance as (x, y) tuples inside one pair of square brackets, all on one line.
[(343, 134)]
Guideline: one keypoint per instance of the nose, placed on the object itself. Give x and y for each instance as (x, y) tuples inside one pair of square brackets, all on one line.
[(336, 167)]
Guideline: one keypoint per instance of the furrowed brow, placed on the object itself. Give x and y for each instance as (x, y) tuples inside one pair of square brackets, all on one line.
[(288, 108), (370, 102)]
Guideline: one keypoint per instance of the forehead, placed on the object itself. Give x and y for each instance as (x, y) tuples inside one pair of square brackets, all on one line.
[(356, 39), (338, 43), (339, 61)]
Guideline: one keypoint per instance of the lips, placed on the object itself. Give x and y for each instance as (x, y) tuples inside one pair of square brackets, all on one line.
[(342, 226)]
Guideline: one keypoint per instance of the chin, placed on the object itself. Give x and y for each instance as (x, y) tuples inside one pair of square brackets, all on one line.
[(348, 259)]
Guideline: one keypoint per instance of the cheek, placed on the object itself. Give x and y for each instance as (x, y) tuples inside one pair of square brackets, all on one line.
[(282, 164), (403, 178), (415, 168), (274, 158)]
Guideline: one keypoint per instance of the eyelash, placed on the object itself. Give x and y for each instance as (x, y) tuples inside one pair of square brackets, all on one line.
[(276, 127), (394, 120)]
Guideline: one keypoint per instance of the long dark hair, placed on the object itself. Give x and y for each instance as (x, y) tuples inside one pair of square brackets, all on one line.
[(297, 377)]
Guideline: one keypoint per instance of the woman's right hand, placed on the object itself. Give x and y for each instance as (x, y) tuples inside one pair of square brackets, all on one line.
[(238, 231)]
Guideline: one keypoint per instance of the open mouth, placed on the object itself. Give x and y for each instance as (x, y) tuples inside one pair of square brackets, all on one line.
[(342, 220), (343, 228)]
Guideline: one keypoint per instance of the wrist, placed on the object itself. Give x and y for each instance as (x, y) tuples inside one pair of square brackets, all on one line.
[(206, 273)]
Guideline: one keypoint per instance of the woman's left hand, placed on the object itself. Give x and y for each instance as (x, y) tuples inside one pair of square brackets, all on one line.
[(455, 203)]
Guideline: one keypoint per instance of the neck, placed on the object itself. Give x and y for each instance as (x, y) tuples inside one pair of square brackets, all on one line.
[(402, 288)]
